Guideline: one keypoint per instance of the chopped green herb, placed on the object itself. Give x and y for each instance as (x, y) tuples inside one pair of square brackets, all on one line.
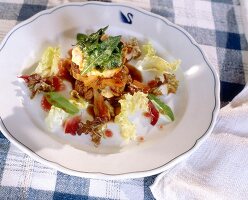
[(87, 40), (161, 106), (101, 55)]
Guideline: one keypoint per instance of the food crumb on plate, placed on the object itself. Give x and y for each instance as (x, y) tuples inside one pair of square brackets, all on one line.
[(140, 139)]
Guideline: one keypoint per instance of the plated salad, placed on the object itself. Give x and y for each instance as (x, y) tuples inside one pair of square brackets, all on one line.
[(102, 76)]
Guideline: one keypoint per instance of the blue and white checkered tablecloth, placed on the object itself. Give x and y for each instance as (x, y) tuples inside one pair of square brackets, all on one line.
[(215, 24)]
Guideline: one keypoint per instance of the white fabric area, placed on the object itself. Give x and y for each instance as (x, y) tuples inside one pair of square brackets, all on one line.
[(219, 167), (21, 171)]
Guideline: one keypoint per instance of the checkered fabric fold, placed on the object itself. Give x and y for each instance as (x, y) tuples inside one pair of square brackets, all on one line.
[(216, 25)]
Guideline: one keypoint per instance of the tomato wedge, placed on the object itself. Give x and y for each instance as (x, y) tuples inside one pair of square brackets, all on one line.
[(46, 106), (154, 114), (71, 125)]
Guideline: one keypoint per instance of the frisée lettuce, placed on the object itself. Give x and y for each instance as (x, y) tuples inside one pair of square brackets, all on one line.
[(152, 62), (55, 117), (130, 104), (48, 64)]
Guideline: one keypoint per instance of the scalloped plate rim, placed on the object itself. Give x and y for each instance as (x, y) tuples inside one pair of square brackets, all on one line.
[(136, 174)]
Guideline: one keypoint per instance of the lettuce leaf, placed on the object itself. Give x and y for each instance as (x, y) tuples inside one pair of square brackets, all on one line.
[(128, 129), (60, 101), (152, 62), (55, 117), (132, 103), (79, 103), (48, 64)]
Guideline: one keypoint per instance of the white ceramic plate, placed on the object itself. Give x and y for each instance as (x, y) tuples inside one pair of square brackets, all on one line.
[(195, 105)]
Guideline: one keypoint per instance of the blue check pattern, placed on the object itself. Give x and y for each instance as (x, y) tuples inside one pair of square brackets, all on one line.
[(216, 25)]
